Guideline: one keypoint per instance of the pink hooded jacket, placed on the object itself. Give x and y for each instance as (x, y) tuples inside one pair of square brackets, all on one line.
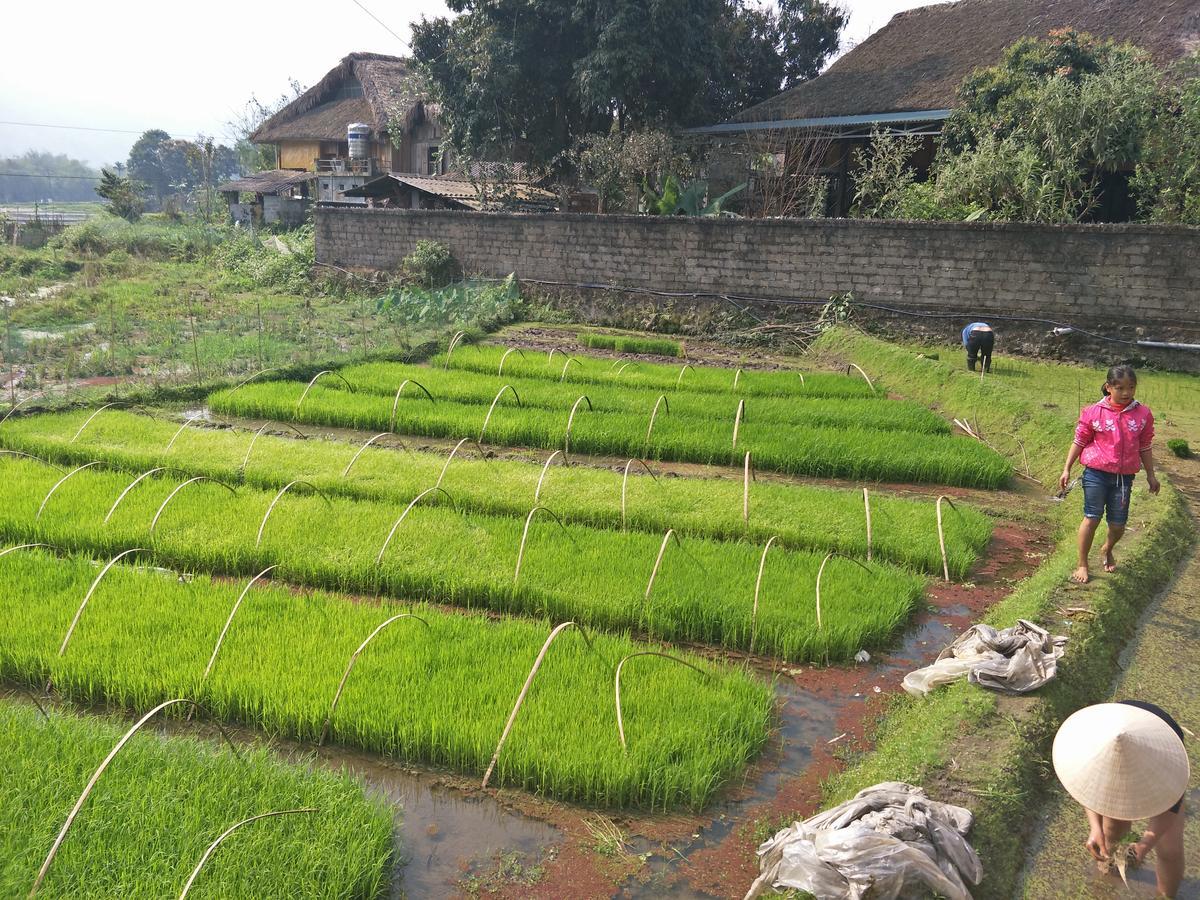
[(1113, 439)]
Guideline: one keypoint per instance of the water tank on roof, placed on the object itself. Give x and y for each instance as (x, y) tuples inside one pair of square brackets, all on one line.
[(358, 138)]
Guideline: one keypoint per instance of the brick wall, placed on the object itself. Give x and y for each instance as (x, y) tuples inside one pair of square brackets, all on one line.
[(1120, 274)]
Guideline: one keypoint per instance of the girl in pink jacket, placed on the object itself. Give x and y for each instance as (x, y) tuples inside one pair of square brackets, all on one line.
[(1113, 439)]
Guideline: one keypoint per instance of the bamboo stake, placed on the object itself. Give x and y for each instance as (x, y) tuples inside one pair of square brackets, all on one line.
[(736, 376), (757, 585), (942, 536), (867, 506), (350, 665), (525, 690), (458, 336), (679, 380), (18, 405), (62, 834), (24, 455), (283, 490), (747, 474), (550, 356), (821, 571), (625, 482), (396, 400), (415, 500), (225, 630), (518, 350), (617, 684), (537, 493), (171, 496), (492, 408), (446, 464), (662, 399), (213, 846), (870, 383), (525, 536), (737, 420), (801, 374), (246, 381), (567, 362), (88, 420), (60, 482), (176, 435), (366, 444), (8, 550), (658, 562), (134, 484), (571, 420), (624, 366), (349, 386)]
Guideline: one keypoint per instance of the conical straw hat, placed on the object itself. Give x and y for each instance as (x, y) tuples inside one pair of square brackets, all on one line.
[(1121, 761)]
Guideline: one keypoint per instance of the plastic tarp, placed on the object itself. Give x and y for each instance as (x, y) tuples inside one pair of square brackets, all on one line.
[(891, 842), (1015, 660)]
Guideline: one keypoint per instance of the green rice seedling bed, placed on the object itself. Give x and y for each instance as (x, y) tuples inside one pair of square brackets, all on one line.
[(460, 386), (798, 450), (163, 801), (800, 516), (704, 590), (596, 370), (624, 344), (437, 690)]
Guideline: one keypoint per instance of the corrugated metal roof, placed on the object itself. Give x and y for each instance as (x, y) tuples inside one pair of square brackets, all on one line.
[(888, 118), (274, 181)]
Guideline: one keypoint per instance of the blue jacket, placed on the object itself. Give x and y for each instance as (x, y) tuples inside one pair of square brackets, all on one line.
[(967, 331)]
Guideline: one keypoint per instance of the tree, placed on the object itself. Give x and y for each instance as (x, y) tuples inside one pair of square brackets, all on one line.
[(146, 163), (809, 32), (37, 175), (256, 157), (121, 194), (1167, 181)]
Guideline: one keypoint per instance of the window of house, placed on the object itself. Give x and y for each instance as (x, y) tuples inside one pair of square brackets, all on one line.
[(431, 160), (349, 88)]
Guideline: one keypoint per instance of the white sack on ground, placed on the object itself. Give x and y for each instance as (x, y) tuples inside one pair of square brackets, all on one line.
[(891, 842), (1015, 660)]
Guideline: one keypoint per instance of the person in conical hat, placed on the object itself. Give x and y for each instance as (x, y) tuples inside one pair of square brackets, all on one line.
[(1124, 762)]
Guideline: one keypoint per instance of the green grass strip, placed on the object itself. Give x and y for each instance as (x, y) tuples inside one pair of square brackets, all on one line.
[(704, 590), (657, 376), (162, 801), (623, 344), (820, 452), (801, 412), (439, 694), (904, 531)]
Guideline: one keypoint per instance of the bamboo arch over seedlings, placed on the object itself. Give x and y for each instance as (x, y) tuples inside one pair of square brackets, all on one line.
[(171, 496), (350, 666), (617, 685), (18, 405), (736, 376), (245, 381), (309, 387), (537, 664), (525, 536), (748, 474), (24, 455), (415, 500), (450, 458), (762, 564), (737, 420), (129, 487), (625, 484), (8, 550), (61, 482), (179, 431), (366, 444), (454, 342), (821, 571), (661, 401), (283, 490), (867, 508), (261, 428), (396, 400), (867, 377), (229, 621), (504, 356), (537, 493), (215, 844), (679, 380), (492, 408), (658, 562), (550, 356), (571, 421), (89, 419), (624, 366), (942, 536), (566, 363), (62, 834)]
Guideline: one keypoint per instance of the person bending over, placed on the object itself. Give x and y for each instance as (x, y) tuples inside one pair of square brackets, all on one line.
[(979, 339)]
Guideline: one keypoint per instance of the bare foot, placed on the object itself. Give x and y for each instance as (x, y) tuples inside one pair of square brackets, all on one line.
[(1110, 561), (1080, 575)]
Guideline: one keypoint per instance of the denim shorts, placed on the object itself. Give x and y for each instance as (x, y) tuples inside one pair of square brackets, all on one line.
[(1106, 491)]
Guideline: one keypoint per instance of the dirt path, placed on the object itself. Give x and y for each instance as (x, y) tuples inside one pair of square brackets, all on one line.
[(1161, 664)]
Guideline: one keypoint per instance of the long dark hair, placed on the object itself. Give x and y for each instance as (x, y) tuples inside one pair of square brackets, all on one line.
[(1115, 374)]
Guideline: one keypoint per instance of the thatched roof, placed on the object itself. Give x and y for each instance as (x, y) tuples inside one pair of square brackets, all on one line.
[(919, 59), (274, 181), (391, 90)]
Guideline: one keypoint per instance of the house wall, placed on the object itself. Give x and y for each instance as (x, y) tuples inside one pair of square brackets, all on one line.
[(298, 154), (1133, 275)]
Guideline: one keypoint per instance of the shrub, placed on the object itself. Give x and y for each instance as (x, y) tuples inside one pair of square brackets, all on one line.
[(281, 262), (486, 305), (431, 265), (150, 238), (1180, 448)]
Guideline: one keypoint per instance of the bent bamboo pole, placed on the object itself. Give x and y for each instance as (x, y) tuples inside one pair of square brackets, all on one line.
[(213, 846), (617, 684), (737, 420), (571, 420), (88, 596), (17, 406), (492, 408), (261, 428), (396, 400), (537, 493), (625, 483), (8, 550), (679, 380), (175, 436), (747, 475), (505, 355), (134, 484), (350, 666), (661, 401), (415, 500), (567, 362), (624, 366), (446, 464), (229, 621), (454, 341), (736, 376), (870, 383), (525, 535), (821, 571), (60, 482), (942, 535), (296, 412), (171, 496), (867, 507), (366, 444), (537, 664), (762, 563), (88, 420), (24, 455), (283, 490), (241, 384), (658, 562)]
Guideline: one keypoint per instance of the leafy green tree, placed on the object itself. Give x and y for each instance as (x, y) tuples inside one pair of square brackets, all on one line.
[(809, 32), (257, 157), (146, 164), (121, 194), (1167, 181), (37, 175)]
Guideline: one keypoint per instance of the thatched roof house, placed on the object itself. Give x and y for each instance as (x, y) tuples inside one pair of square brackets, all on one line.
[(907, 74)]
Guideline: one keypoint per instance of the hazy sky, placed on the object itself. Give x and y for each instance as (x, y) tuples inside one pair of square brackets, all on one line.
[(188, 68)]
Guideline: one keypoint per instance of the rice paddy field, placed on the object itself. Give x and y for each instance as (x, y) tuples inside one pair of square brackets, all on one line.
[(571, 579)]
